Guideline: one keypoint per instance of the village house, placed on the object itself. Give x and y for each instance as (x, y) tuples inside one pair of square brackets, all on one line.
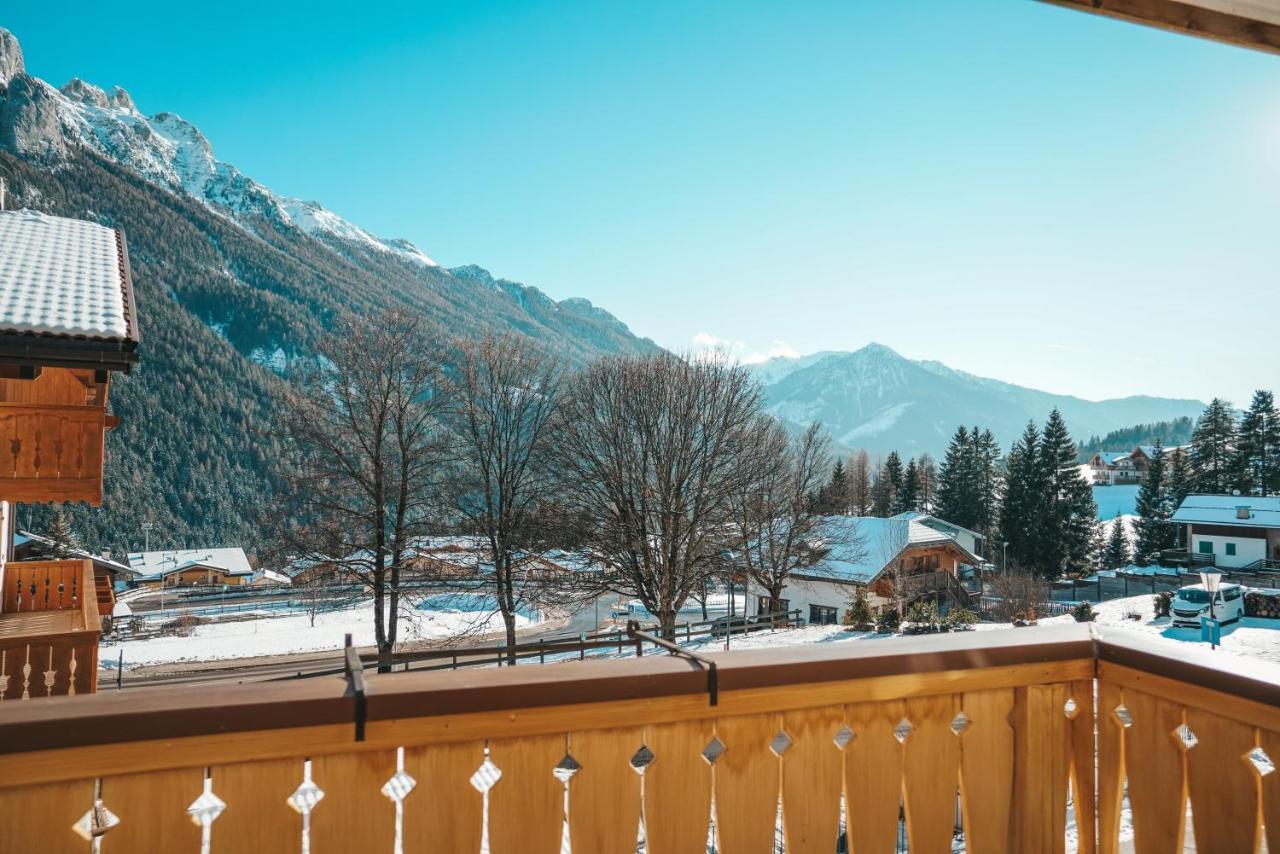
[(1232, 531), (1112, 468), (67, 323), (192, 568), (891, 558)]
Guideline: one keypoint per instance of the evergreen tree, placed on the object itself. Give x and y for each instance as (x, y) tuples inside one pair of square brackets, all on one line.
[(893, 470), (62, 539), (1024, 499), (1071, 512), (1116, 553), (860, 484), (1178, 487), (1213, 450), (1155, 527), (836, 494), (987, 482), (1258, 447), (909, 497), (954, 500), (882, 493)]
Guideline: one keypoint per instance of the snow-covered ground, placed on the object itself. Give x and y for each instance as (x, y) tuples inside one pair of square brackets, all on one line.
[(1122, 499), (268, 635)]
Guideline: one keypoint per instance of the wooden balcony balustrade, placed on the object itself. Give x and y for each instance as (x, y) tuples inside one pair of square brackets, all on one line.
[(528, 756), (51, 452), (49, 629)]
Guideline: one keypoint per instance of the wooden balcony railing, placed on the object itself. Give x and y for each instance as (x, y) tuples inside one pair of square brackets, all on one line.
[(602, 753), (49, 629), (51, 452)]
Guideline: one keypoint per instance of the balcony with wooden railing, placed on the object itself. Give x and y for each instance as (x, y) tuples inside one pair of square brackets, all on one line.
[(807, 747), (49, 629)]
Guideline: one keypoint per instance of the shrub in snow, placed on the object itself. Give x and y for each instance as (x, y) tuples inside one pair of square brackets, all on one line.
[(922, 618), (858, 616), (887, 621), (1084, 613), (960, 619), (1132, 615), (1160, 603)]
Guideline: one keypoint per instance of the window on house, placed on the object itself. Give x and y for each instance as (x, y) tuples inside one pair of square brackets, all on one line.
[(769, 606), (822, 615), (1206, 547), (1231, 549)]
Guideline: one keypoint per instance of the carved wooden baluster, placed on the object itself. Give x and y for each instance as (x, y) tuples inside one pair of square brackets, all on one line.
[(526, 805), (873, 774), (747, 776), (152, 807), (931, 773), (604, 794), (354, 807), (986, 769), (449, 814), (1222, 783), (1084, 750), (258, 817), (812, 779), (677, 787), (1154, 766)]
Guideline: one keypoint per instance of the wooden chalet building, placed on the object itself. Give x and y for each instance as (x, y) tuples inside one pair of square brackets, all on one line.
[(220, 567), (892, 558), (67, 322)]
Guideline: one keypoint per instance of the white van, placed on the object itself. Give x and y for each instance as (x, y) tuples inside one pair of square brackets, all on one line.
[(1192, 602)]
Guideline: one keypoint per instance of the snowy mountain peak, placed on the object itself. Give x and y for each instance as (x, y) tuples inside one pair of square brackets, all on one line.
[(11, 64), (164, 149)]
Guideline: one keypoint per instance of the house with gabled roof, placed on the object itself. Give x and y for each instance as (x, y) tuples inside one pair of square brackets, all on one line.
[(891, 558), (192, 567), (1232, 531)]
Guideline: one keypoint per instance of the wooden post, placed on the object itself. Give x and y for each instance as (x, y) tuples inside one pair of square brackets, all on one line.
[(542, 652), (120, 671)]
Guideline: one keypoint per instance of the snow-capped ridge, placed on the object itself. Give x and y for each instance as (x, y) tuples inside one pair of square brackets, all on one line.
[(164, 149)]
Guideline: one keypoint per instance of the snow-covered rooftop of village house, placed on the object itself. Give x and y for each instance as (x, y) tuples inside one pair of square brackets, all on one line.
[(1225, 510), (1110, 458), (155, 564), (861, 546), (62, 277)]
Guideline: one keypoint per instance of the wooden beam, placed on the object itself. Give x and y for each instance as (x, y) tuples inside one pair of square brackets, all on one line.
[(1241, 28)]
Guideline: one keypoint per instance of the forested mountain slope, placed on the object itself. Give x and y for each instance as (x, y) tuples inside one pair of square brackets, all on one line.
[(232, 283)]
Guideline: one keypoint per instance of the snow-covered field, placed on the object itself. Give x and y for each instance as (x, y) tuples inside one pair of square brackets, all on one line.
[(274, 635)]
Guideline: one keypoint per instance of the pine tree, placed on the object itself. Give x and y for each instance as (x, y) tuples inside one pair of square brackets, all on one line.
[(1071, 511), (882, 493), (62, 538), (1258, 447), (1116, 553), (987, 482), (954, 498), (1177, 488), (1155, 526), (909, 497), (836, 494), (893, 469), (1024, 498), (1213, 450)]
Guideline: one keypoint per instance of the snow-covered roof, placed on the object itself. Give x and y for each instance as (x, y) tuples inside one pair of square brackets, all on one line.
[(64, 278), (21, 538), (157, 564), (1110, 458), (862, 546), (936, 523), (1225, 510)]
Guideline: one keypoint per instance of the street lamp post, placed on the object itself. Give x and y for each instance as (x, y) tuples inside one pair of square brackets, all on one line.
[(1004, 556), (1211, 578)]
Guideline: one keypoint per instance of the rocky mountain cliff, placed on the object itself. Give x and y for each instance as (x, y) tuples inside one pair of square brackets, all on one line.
[(876, 399), (233, 282)]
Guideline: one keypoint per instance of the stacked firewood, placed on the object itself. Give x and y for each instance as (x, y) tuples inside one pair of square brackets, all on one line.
[(1259, 604)]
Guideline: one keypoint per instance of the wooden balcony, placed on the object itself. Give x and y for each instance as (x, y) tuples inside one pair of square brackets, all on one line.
[(1001, 723), (49, 630)]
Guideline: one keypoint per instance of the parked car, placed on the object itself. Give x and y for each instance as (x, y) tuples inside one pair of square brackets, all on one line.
[(1192, 602)]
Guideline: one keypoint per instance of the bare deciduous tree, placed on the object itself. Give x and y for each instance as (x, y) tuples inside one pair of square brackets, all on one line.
[(364, 427), (652, 448), (503, 402), (778, 529)]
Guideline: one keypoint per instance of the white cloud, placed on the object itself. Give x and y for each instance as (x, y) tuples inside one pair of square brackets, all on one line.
[(706, 344)]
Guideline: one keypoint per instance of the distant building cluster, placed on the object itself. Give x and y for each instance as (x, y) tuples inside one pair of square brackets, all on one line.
[(1115, 468)]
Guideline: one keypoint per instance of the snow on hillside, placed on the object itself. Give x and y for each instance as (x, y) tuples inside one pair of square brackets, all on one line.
[(167, 150)]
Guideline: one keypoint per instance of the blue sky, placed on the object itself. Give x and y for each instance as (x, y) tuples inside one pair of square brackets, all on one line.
[(1017, 190)]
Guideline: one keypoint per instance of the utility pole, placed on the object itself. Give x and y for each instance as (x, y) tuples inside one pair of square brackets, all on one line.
[(2, 191)]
